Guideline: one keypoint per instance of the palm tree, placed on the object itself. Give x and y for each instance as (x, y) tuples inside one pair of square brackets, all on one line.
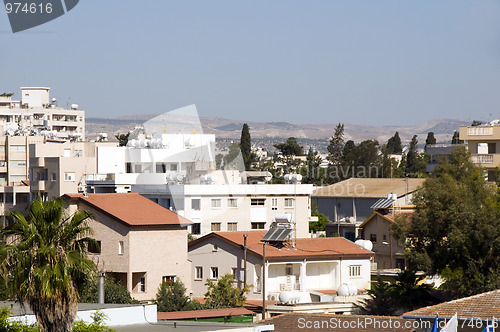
[(43, 259)]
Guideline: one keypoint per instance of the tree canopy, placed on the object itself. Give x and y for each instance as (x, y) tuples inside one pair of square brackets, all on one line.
[(290, 147), (224, 293), (455, 231), (246, 146), (171, 296), (336, 145), (394, 144)]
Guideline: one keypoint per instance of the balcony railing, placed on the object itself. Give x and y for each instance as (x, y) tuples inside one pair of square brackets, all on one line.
[(482, 158)]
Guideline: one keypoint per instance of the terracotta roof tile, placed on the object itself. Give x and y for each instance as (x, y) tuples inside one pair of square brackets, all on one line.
[(331, 322), (304, 248), (369, 187), (485, 306), (131, 209), (191, 314)]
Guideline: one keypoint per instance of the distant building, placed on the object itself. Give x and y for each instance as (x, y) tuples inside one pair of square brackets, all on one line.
[(312, 270), (36, 114), (483, 142), (389, 252), (439, 153), (140, 244), (348, 203)]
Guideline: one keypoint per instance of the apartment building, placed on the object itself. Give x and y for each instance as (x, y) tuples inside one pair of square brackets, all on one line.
[(57, 168), (483, 142), (36, 114)]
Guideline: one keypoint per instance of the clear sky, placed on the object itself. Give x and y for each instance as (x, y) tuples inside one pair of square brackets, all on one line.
[(378, 62)]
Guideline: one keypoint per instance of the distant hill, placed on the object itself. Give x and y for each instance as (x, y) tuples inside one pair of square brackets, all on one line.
[(275, 131)]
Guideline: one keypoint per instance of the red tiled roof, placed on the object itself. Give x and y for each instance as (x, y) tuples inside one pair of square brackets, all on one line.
[(192, 314), (131, 209), (304, 248), (331, 322), (485, 305)]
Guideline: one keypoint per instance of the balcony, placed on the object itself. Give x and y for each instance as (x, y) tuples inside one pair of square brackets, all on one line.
[(482, 158)]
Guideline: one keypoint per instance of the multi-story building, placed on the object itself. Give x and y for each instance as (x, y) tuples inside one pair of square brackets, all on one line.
[(483, 142), (36, 114), (57, 168)]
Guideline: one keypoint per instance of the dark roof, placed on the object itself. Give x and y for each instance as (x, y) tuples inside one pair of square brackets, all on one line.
[(331, 322), (327, 247), (130, 208), (209, 313), (481, 306)]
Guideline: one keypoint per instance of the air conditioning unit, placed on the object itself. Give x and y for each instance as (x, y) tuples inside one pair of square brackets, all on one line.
[(271, 297), (81, 189)]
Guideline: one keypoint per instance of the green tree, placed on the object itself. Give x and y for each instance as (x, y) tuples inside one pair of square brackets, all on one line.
[(394, 144), (171, 296), (290, 147), (44, 260), (122, 139), (320, 225), (246, 146), (431, 139), (362, 160), (224, 293), (456, 138), (455, 231), (13, 326), (409, 292), (380, 302), (412, 157), (114, 292), (336, 145), (312, 173), (476, 123)]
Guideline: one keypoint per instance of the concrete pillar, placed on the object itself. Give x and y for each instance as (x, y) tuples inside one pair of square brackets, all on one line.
[(303, 276), (129, 281)]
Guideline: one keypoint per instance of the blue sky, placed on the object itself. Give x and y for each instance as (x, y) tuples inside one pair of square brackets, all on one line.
[(318, 61)]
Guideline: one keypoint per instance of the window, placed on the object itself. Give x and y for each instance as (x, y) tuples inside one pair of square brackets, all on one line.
[(142, 284), (18, 148), (69, 176), (274, 204), (196, 228), (54, 176), (354, 270), (216, 202), (214, 272), (373, 238), (215, 227), (198, 272), (161, 168), (168, 279), (121, 247), (18, 163), (258, 202), (232, 226), (215, 247), (173, 167), (95, 247), (78, 153), (232, 202), (384, 237), (289, 202), (195, 204), (258, 225)]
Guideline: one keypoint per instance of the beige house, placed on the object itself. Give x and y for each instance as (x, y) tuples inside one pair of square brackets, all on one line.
[(312, 269), (483, 142), (141, 243), (389, 253)]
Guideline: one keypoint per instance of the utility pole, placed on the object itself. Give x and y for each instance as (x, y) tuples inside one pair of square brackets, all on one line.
[(263, 280), (244, 260)]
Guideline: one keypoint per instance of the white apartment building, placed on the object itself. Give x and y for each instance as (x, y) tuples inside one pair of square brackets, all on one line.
[(37, 114), (177, 172)]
